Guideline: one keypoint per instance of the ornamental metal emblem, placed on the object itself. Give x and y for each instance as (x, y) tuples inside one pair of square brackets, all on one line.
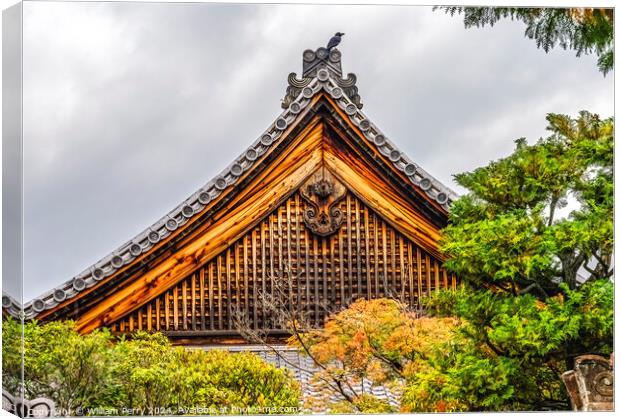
[(322, 193)]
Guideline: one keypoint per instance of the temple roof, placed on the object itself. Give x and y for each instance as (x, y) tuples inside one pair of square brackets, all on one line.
[(321, 73)]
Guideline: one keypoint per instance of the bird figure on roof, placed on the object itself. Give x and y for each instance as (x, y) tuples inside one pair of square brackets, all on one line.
[(334, 41)]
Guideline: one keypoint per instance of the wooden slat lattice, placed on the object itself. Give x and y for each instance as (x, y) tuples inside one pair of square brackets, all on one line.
[(366, 258)]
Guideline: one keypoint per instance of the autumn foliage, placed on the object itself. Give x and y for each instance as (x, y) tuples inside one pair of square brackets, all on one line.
[(379, 341)]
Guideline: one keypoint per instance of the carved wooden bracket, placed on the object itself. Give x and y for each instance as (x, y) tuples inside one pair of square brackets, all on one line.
[(322, 191)]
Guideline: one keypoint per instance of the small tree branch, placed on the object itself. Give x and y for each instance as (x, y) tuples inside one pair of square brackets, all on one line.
[(532, 286)]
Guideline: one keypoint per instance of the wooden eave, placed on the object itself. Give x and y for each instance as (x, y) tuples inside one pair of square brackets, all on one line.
[(322, 133), (216, 210)]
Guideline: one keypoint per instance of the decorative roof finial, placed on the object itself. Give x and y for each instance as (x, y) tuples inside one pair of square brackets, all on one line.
[(328, 58), (322, 58), (334, 41)]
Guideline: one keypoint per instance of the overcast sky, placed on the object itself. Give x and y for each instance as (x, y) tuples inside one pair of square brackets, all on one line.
[(131, 107)]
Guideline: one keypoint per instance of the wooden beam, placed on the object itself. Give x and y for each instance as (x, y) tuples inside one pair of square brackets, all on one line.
[(210, 290), (349, 247), (358, 243), (254, 284), (201, 277), (295, 170), (367, 240), (403, 179), (384, 200), (308, 139)]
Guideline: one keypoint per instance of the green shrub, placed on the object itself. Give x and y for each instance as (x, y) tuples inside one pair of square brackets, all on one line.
[(510, 352), (230, 382), (58, 363), (100, 374)]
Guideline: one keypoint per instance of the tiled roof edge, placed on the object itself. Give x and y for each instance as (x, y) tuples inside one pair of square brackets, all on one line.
[(325, 80)]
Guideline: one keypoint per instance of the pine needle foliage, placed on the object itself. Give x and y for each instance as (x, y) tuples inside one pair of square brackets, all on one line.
[(584, 30)]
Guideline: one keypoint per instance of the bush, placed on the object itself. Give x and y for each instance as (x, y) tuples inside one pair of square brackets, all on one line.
[(144, 374), (379, 340), (233, 382), (509, 352), (58, 363)]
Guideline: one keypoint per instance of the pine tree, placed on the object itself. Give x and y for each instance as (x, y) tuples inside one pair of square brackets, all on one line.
[(584, 30)]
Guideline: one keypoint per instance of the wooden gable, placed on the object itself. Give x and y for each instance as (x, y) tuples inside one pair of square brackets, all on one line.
[(321, 198), (365, 258)]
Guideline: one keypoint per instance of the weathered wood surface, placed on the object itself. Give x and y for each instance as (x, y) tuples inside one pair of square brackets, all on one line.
[(314, 149), (185, 286), (305, 141), (590, 384), (365, 258), (246, 209)]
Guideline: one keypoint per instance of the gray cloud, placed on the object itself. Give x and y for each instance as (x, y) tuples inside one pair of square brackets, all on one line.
[(131, 107)]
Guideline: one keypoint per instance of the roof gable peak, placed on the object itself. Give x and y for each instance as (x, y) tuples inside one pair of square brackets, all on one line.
[(322, 64)]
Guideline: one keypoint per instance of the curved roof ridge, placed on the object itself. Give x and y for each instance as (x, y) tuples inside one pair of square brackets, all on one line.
[(188, 209)]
